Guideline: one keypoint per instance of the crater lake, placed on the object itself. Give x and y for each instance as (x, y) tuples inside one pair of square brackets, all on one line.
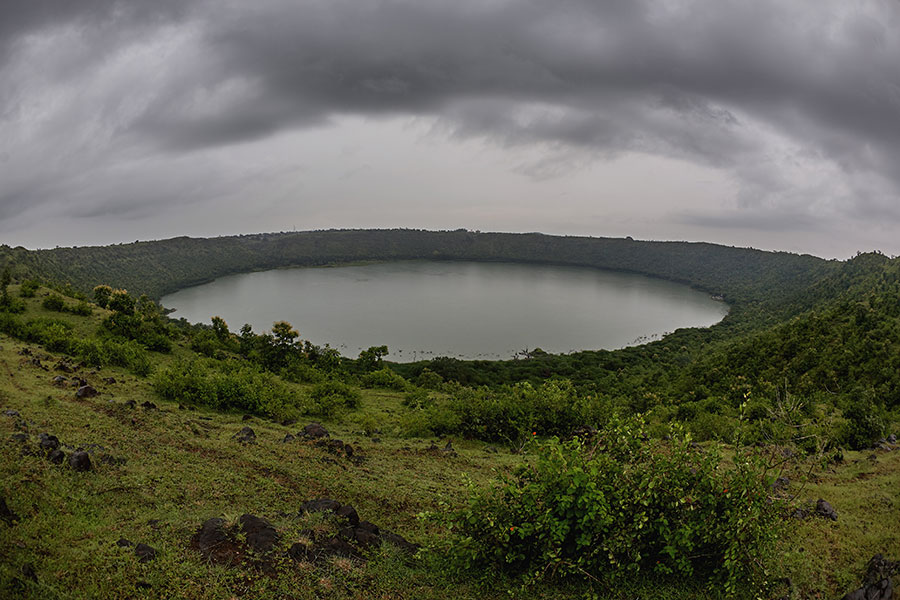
[(471, 310)]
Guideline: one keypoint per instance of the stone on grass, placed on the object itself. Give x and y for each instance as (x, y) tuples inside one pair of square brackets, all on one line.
[(86, 391), (320, 505), (314, 430), (258, 532), (144, 552), (57, 457), (80, 461), (245, 436), (825, 510)]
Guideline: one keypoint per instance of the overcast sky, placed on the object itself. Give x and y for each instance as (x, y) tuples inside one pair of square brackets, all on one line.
[(773, 124)]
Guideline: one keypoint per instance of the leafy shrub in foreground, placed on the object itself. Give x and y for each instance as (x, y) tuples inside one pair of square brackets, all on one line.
[(614, 505)]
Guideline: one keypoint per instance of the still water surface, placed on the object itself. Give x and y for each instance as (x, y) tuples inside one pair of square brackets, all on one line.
[(423, 309)]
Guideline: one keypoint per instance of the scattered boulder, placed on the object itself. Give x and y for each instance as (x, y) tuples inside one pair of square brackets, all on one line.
[(80, 461), (781, 484), (148, 406), (86, 391), (337, 447), (11, 413), (60, 381), (259, 533), (123, 543), (109, 380), (48, 442), (288, 438), (314, 430), (348, 512), (877, 580), (20, 437), (144, 553), (337, 547), (64, 366), (825, 510), (892, 439), (320, 505), (57, 457), (131, 404), (215, 543), (245, 436)]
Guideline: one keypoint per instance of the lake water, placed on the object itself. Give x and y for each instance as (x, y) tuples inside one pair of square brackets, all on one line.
[(423, 309)]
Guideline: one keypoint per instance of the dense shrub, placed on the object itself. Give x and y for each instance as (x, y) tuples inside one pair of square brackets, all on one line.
[(615, 505), (229, 384), (384, 378), (29, 288), (332, 397), (54, 302), (511, 414)]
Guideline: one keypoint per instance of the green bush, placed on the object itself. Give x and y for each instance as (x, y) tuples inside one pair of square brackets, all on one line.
[(228, 384), (54, 302), (384, 378), (511, 414), (331, 397), (615, 505), (29, 288)]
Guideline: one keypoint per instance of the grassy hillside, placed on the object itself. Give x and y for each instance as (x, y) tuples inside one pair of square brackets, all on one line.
[(161, 468)]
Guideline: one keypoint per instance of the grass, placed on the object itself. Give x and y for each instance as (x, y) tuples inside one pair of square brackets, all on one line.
[(183, 467)]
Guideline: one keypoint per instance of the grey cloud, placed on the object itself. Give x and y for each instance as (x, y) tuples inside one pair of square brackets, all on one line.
[(751, 88)]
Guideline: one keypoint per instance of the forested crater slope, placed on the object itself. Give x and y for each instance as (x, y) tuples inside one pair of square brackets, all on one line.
[(155, 268)]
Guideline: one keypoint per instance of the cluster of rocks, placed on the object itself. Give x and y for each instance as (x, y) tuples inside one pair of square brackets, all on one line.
[(821, 509), (253, 540), (876, 584), (887, 444), (49, 446)]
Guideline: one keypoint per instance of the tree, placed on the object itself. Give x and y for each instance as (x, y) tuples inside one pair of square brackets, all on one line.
[(101, 295), (371, 359), (220, 328)]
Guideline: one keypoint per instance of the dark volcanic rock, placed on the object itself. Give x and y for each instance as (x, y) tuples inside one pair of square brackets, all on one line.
[(21, 437), (123, 543), (215, 543), (314, 430), (246, 417), (259, 533), (320, 505), (80, 461), (57, 457), (338, 547), (824, 510), (60, 381), (288, 438), (892, 439), (48, 442), (86, 391), (144, 552), (11, 413), (301, 553), (131, 404), (109, 380), (782, 483), (245, 436), (349, 513), (148, 406), (877, 581), (370, 527)]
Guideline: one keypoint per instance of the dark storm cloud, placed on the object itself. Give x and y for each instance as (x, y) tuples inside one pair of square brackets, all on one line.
[(773, 92)]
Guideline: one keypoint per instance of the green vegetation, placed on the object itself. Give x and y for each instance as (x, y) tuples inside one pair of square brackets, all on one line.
[(474, 460)]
